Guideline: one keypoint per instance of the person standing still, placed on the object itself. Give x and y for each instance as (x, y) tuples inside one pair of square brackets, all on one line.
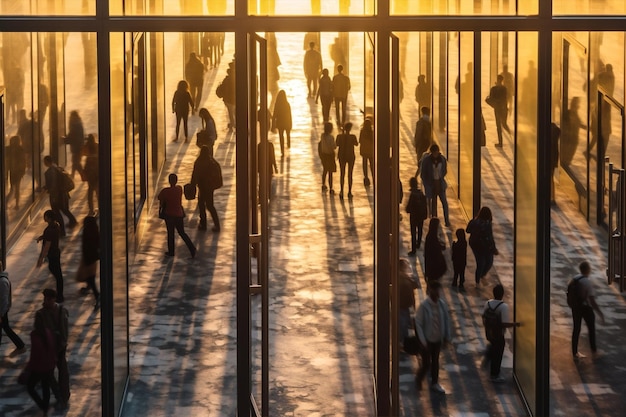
[(194, 74), (433, 170), (50, 250), (495, 348), (325, 94), (345, 153), (172, 198), (584, 310), (366, 149), (433, 327), (341, 87), (181, 103), (312, 68), (5, 306), (416, 207), (459, 259), (423, 136), (498, 100)]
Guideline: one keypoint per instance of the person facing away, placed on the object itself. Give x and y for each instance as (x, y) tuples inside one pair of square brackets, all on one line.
[(266, 165), (206, 176), (43, 360), (416, 207), (171, 197), (481, 242), (208, 134), (91, 171), (433, 327), (327, 155), (325, 94), (434, 261), (341, 87), (312, 68), (584, 310), (5, 306), (91, 255), (15, 158), (194, 74), (366, 149), (76, 139), (406, 298), (59, 197), (495, 349), (509, 82), (181, 103), (345, 153), (281, 120), (498, 100), (50, 250), (55, 318), (226, 91), (459, 258), (422, 92), (423, 135), (433, 171)]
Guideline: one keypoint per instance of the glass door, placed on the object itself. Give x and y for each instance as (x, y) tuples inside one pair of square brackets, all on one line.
[(3, 217), (609, 148)]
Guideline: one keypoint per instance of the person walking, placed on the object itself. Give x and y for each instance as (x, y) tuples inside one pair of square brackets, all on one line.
[(55, 318), (208, 134), (327, 155), (459, 259), (76, 139), (498, 100), (181, 103), (583, 309), (366, 149), (50, 250), (5, 306), (194, 74), (91, 170), (406, 298), (422, 92), (281, 120), (345, 153), (433, 327), (416, 207), (433, 170), (59, 196), (496, 320), (90, 256), (172, 198), (423, 136), (481, 241), (268, 163), (312, 68), (207, 176), (341, 87), (226, 91), (325, 94), (43, 360), (434, 261), (15, 158)]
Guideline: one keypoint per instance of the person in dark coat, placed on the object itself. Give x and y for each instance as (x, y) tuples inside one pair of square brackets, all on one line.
[(366, 143), (204, 177), (423, 136), (345, 153), (50, 250), (194, 74), (43, 356), (171, 197), (59, 198), (76, 139), (227, 92), (434, 261), (498, 100), (90, 151), (281, 120), (181, 103), (325, 94), (327, 156), (15, 158), (422, 92), (481, 242), (312, 68), (91, 255), (208, 134), (416, 207), (459, 258)]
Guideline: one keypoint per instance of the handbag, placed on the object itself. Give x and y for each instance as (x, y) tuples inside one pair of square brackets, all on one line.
[(413, 345), (162, 211), (189, 190)]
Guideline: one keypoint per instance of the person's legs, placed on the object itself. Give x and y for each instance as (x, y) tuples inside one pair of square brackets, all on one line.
[(480, 265), (577, 315), (337, 111), (202, 205), (31, 385), (19, 344), (344, 111), (425, 366), (288, 132), (350, 172), (435, 193), (497, 350), (330, 181), (444, 205), (169, 224), (434, 349), (420, 230), (498, 126), (590, 320), (185, 123), (342, 176), (65, 208), (199, 95), (180, 228), (64, 378), (404, 322), (179, 117), (462, 278), (91, 284), (413, 222), (54, 266), (281, 136), (211, 206)]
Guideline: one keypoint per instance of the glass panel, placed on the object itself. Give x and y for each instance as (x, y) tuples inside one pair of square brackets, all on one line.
[(611, 60), (314, 7), (172, 7), (526, 215), (453, 84), (583, 7), (466, 135), (47, 7), (611, 133), (119, 216), (454, 7)]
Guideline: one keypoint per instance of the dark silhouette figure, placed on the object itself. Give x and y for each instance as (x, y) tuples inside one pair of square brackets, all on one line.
[(327, 155), (459, 258), (584, 309), (25, 132), (312, 69), (194, 74), (498, 100), (90, 151), (59, 197), (15, 158), (325, 94), (555, 135), (50, 250), (337, 54), (5, 307), (341, 87), (208, 134), (91, 255), (481, 242), (171, 197), (416, 207), (509, 83), (366, 142), (345, 153), (43, 360), (226, 91), (571, 125), (266, 163), (281, 120), (76, 139), (423, 136), (422, 92), (207, 177), (181, 103), (434, 261), (433, 169)]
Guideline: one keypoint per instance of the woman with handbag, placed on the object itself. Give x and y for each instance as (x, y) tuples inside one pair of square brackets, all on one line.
[(172, 198), (90, 257), (41, 364)]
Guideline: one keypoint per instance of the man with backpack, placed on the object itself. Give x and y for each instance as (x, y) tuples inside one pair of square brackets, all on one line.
[(496, 320), (581, 299)]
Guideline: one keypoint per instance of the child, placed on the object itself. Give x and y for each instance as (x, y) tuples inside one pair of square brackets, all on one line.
[(459, 258), (416, 207)]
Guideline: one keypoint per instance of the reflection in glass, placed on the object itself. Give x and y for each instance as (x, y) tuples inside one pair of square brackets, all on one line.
[(465, 88)]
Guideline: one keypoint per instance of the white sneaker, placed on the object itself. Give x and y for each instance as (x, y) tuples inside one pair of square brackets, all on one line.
[(579, 355), (438, 388)]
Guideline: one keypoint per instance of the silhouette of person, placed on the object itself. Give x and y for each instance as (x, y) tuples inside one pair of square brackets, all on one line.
[(498, 100), (509, 83), (341, 87), (59, 198), (366, 142), (481, 242), (423, 136), (181, 103), (422, 92), (50, 250), (433, 170), (281, 120), (76, 139), (312, 69), (337, 55), (194, 74), (90, 151), (226, 91), (571, 125), (208, 134), (171, 197), (345, 153), (205, 176), (15, 158), (326, 150), (325, 94)]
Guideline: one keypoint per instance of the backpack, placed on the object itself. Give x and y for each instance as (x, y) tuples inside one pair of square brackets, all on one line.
[(215, 175), (4, 275), (492, 322), (574, 300), (66, 182)]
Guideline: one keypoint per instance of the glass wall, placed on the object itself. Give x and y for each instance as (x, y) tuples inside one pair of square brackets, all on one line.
[(47, 7), (588, 7), (465, 82), (461, 7)]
